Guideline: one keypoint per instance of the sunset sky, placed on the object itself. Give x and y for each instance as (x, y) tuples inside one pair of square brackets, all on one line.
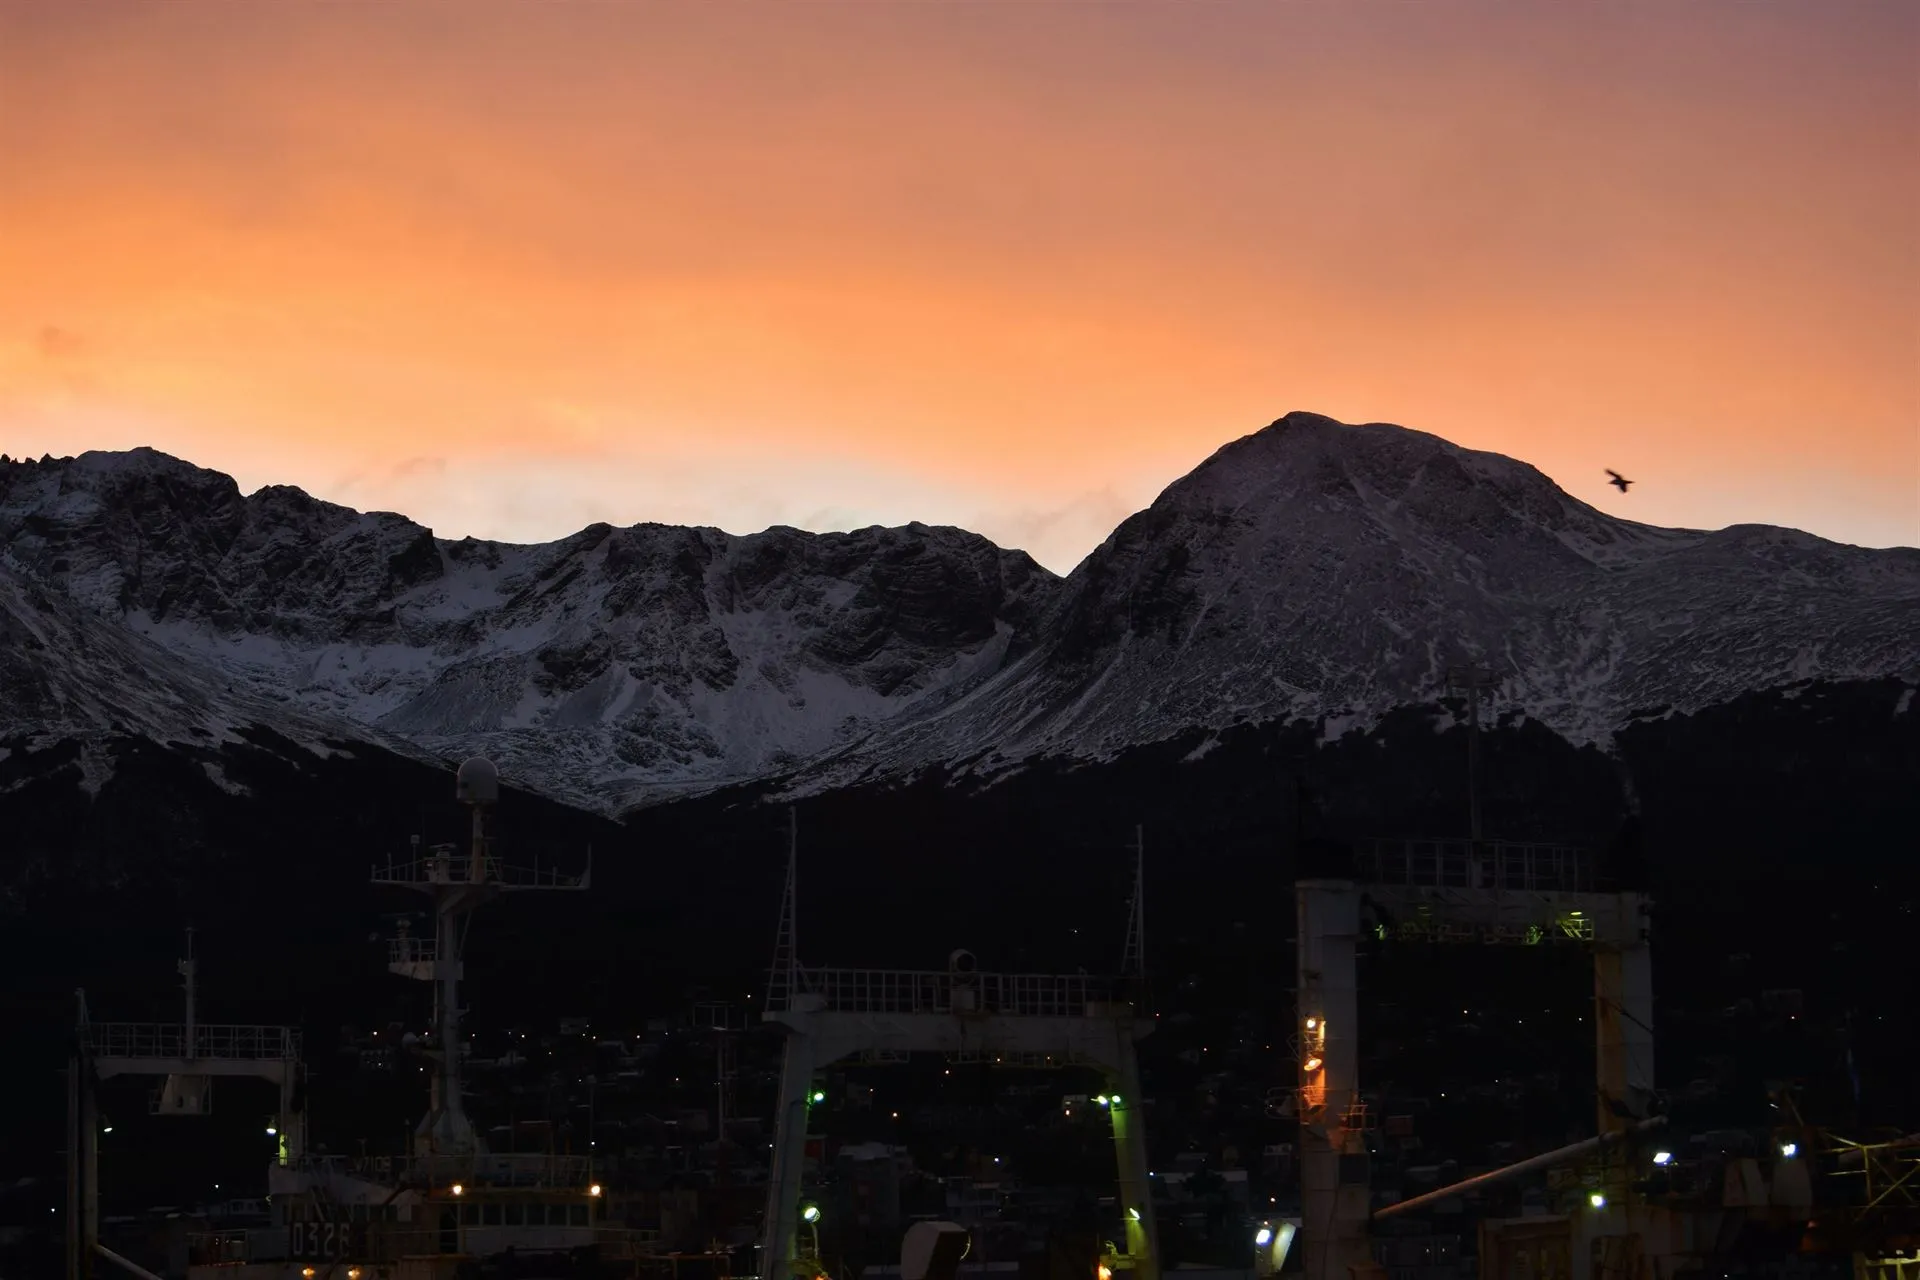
[(512, 268)]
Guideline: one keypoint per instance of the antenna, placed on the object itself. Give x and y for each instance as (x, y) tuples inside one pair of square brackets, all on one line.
[(186, 968), (783, 979), (1133, 959), (1473, 679), (458, 886)]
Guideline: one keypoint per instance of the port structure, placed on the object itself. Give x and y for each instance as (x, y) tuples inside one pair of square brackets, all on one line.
[(1029, 1020), (459, 885), (188, 1056), (1459, 891)]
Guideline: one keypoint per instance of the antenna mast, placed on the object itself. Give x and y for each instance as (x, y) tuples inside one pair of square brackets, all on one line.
[(783, 979), (187, 969), (1133, 958), (1472, 678), (458, 887)]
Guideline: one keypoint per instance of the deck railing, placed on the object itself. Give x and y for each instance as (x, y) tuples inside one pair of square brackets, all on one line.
[(906, 991), (488, 1169), (390, 1242), (456, 867), (1481, 865), (170, 1040)]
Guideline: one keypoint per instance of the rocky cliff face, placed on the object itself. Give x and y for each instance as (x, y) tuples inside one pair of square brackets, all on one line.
[(608, 667), (1312, 571), (1331, 573)]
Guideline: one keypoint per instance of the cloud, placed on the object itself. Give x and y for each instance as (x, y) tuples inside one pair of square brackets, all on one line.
[(56, 343), (1060, 537), (417, 467), (537, 497)]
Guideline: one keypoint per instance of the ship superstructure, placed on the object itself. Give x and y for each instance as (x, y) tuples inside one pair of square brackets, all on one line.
[(430, 1211)]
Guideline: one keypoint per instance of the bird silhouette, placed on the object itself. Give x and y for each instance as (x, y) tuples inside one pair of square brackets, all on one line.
[(1619, 481)]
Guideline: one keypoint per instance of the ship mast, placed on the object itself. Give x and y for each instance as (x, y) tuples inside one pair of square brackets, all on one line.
[(458, 886)]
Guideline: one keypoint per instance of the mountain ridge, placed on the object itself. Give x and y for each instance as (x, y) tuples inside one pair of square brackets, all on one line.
[(1308, 571)]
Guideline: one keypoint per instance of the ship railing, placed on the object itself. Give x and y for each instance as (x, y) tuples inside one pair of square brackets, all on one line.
[(1477, 865), (903, 991), (411, 950), (514, 1169), (455, 867), (209, 1040), (387, 1242)]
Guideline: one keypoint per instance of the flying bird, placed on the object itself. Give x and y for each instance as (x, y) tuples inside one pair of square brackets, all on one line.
[(1619, 481)]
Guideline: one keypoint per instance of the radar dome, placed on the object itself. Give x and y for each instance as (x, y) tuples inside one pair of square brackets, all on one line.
[(478, 782)]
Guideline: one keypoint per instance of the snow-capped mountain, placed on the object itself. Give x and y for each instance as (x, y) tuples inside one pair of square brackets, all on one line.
[(67, 674), (1311, 570), (599, 667), (1330, 572)]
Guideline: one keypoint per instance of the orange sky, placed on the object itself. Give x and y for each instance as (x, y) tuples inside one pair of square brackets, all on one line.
[(512, 268)]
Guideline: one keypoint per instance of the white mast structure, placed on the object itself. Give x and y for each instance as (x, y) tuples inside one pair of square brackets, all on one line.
[(458, 886), (1025, 1020)]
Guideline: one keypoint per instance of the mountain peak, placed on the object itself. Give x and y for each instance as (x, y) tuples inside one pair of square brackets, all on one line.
[(1313, 569), (1310, 452), (1384, 482)]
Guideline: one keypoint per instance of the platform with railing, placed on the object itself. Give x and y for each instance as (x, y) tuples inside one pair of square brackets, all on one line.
[(1483, 865), (353, 1243), (906, 991), (450, 867), (555, 1171), (407, 949), (175, 1040)]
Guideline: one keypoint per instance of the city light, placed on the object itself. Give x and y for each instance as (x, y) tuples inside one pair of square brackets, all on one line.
[(1663, 1157), (459, 1190), (818, 1097), (810, 1213), (1789, 1149), (1597, 1200), (594, 1190), (1263, 1237), (272, 1132)]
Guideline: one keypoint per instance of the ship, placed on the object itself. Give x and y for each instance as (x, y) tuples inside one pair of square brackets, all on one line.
[(448, 1206)]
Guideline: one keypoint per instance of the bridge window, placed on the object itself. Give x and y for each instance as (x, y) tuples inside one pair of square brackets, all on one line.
[(516, 1214), (490, 1214), (577, 1215)]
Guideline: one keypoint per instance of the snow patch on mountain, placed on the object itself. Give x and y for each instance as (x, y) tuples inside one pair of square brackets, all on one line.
[(1332, 573), (1311, 571), (612, 666), (68, 674)]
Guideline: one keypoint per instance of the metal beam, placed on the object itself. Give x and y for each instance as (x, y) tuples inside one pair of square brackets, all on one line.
[(1532, 1164), (119, 1261)]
